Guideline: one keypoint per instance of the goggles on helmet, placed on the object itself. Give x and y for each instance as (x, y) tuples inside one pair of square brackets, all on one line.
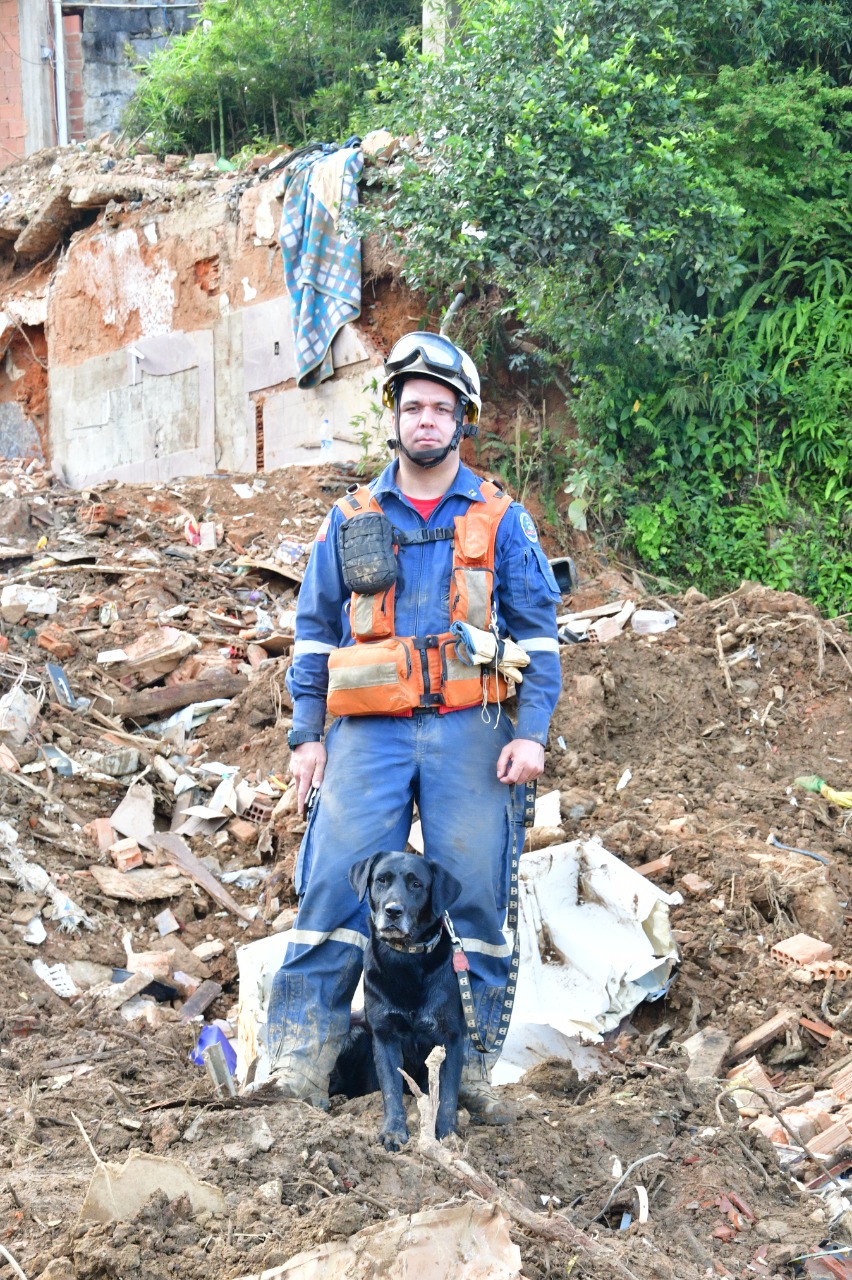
[(436, 352), (432, 355)]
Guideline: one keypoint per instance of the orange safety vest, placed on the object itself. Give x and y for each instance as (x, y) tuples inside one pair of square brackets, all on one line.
[(383, 673)]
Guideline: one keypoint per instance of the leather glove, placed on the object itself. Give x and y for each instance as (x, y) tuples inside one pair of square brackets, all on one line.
[(477, 648)]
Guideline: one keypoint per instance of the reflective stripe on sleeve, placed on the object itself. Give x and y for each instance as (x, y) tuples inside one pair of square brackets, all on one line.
[(312, 646), (539, 644)]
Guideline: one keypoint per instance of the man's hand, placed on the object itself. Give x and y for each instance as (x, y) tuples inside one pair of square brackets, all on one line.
[(521, 760), (307, 766)]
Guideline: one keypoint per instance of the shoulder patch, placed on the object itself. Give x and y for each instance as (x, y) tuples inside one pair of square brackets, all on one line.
[(323, 529), (528, 526)]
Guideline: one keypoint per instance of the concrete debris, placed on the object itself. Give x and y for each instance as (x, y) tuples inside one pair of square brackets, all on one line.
[(166, 304), (707, 1051)]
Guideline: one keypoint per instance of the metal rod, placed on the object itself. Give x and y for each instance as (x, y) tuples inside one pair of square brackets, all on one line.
[(59, 76)]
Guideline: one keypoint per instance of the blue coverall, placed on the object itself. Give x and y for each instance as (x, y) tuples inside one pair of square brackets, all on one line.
[(378, 766)]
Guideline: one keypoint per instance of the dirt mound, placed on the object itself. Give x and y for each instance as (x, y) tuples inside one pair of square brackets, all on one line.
[(678, 749)]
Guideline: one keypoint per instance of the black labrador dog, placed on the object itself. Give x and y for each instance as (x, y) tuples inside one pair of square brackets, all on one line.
[(411, 993)]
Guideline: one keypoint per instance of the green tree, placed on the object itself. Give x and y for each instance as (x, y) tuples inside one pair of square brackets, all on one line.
[(654, 197), (282, 71)]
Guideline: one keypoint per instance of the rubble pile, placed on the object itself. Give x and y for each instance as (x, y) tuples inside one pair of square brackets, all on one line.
[(57, 190), (147, 828)]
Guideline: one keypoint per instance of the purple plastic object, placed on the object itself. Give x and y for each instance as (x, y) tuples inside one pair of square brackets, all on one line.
[(211, 1034)]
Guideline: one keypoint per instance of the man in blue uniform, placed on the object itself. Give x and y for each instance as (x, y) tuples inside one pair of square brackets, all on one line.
[(412, 723)]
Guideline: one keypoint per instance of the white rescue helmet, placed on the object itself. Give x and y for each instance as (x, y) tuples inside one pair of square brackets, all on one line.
[(431, 355)]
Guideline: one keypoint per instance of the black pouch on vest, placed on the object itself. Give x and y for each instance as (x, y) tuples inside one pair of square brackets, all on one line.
[(367, 557)]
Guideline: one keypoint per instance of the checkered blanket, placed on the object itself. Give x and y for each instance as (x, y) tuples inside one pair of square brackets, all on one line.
[(322, 254)]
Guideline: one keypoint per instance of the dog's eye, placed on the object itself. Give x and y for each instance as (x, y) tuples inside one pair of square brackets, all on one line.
[(414, 884), (382, 879)]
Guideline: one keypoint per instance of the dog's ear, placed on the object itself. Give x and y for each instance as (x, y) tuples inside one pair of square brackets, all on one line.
[(445, 888), (359, 875)]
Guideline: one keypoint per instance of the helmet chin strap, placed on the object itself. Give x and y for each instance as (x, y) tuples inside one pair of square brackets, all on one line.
[(429, 458)]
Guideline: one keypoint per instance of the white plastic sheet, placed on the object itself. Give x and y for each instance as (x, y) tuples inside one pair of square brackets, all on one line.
[(595, 943)]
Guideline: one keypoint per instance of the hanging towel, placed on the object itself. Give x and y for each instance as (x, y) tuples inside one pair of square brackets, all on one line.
[(322, 254)]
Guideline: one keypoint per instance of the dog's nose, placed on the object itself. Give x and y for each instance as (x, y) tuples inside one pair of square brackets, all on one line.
[(394, 910)]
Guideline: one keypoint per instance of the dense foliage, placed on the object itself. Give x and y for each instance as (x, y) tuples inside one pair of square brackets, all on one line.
[(655, 195), (248, 74)]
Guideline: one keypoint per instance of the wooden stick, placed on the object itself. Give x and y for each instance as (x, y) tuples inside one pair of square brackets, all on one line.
[(720, 658)]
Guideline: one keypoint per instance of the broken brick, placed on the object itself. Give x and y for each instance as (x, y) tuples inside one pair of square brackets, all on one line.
[(260, 809), (801, 950), (101, 832), (823, 969), (753, 1072), (841, 1085), (242, 831), (126, 855), (256, 654), (102, 513), (695, 884), (58, 642), (804, 1126), (821, 1029), (771, 1129), (830, 1141)]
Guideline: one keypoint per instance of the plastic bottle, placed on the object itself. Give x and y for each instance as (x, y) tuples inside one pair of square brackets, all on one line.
[(326, 441)]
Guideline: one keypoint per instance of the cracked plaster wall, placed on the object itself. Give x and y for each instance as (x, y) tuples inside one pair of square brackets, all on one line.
[(172, 350)]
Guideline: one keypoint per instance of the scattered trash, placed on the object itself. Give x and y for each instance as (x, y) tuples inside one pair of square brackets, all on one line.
[(843, 799), (103, 743), (57, 978), (19, 600), (35, 932), (19, 712), (34, 878), (650, 622), (773, 840)]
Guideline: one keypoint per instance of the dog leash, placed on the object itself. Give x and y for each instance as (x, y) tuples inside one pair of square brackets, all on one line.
[(461, 964)]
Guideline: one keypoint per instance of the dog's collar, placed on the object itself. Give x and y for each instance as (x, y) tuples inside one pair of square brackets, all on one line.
[(418, 948)]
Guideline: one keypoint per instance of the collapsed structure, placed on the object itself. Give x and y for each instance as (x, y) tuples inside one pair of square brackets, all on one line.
[(145, 325)]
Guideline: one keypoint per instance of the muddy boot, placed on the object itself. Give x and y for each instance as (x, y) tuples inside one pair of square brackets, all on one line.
[(289, 1083), (479, 1097)]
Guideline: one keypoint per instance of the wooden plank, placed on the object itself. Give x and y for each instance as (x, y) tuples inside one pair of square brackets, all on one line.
[(200, 1000), (658, 864), (173, 697), (763, 1035), (179, 852)]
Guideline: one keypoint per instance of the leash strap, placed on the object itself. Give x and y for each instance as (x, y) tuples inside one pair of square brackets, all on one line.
[(461, 964)]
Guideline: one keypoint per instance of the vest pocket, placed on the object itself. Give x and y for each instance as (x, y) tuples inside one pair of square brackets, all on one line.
[(462, 685), (376, 677), (471, 597)]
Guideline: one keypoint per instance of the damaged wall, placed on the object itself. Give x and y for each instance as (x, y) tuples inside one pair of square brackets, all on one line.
[(171, 345)]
